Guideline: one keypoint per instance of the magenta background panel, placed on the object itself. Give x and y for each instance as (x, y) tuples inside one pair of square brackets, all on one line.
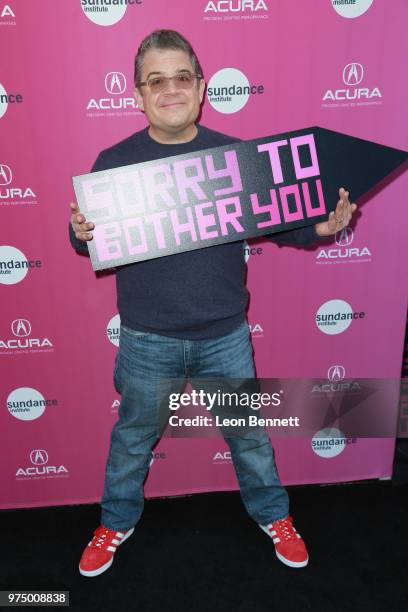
[(307, 65)]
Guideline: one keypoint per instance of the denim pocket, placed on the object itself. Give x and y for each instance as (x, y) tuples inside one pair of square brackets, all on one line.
[(133, 332)]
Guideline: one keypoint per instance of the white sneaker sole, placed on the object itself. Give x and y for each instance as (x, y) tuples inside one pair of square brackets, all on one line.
[(107, 565), (280, 557)]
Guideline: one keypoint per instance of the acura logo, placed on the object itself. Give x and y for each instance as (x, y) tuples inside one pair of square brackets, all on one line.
[(336, 373), (353, 74), (115, 83), (39, 457), (21, 328), (6, 175), (344, 237)]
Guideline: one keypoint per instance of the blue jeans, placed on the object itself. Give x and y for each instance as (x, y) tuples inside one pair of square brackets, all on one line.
[(144, 360)]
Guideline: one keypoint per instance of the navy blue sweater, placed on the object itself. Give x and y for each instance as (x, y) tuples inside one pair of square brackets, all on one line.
[(193, 295)]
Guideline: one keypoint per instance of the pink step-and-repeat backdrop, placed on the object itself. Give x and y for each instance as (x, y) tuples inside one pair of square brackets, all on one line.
[(65, 94)]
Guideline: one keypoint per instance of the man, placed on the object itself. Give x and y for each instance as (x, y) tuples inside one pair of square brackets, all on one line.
[(182, 315)]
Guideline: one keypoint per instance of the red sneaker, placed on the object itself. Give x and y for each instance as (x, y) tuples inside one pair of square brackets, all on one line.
[(289, 546), (98, 555)]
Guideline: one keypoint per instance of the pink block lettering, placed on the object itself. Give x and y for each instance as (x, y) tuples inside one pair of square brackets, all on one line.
[(106, 241), (99, 198), (158, 181), (181, 228), (272, 148), (231, 218), (185, 182), (205, 220), (129, 192), (307, 171), (135, 236), (155, 218), (318, 210), (272, 209), (284, 192), (231, 171)]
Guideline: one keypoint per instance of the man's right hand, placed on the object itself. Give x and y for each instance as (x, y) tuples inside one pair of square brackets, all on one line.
[(81, 228)]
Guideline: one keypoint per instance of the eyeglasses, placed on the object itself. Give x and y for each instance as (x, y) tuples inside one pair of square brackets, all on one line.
[(181, 80)]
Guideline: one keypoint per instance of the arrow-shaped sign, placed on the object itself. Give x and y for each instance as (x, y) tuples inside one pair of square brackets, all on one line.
[(227, 193)]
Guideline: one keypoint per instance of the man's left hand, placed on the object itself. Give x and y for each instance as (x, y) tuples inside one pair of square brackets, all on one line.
[(339, 218)]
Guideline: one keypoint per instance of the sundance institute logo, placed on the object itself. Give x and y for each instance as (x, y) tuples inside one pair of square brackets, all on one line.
[(229, 90), (8, 98), (113, 330), (251, 250), (28, 404), (107, 12), (14, 265), (330, 442), (335, 316), (351, 8)]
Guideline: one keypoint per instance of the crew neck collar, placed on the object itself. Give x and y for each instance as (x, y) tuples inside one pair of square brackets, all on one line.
[(172, 144)]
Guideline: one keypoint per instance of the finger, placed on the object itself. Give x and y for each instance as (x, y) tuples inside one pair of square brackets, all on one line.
[(346, 205), (351, 208), (84, 235), (344, 199), (344, 194), (332, 222), (83, 226), (344, 210), (78, 219), (339, 207), (339, 213)]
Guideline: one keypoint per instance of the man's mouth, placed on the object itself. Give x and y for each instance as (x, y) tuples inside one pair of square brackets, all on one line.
[(171, 104)]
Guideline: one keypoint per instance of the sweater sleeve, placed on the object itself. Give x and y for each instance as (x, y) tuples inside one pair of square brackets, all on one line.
[(300, 237), (80, 246)]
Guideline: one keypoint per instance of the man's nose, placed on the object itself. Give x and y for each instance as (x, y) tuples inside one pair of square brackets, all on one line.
[(170, 86)]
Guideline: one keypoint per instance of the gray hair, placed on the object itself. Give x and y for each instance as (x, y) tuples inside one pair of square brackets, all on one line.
[(164, 39)]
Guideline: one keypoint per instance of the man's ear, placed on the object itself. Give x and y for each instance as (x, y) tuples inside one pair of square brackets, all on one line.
[(201, 89), (139, 98)]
